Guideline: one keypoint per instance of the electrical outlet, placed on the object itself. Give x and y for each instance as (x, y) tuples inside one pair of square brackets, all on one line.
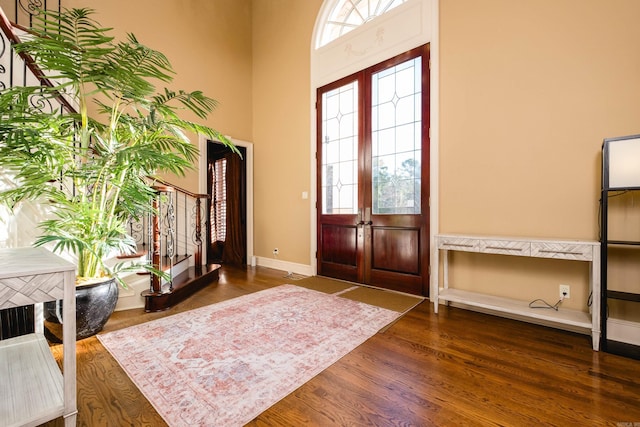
[(565, 291), (275, 251)]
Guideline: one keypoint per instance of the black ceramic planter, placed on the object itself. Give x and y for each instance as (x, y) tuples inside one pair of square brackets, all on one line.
[(94, 305)]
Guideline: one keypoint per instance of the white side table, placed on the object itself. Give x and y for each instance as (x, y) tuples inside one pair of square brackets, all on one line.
[(585, 251), (33, 390)]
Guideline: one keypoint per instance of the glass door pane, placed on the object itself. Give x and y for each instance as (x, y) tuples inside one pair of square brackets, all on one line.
[(396, 139), (339, 185)]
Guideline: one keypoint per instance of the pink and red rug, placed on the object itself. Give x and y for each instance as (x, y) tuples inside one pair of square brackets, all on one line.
[(224, 364)]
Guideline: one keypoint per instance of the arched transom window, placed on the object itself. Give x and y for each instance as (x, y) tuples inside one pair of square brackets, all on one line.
[(349, 14)]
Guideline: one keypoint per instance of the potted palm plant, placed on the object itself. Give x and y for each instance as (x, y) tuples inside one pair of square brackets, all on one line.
[(92, 158)]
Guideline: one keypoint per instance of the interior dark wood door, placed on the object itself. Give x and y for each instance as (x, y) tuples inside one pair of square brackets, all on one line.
[(373, 175)]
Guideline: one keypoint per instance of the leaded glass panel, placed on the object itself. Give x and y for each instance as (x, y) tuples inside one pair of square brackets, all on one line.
[(339, 186), (396, 139), (349, 14)]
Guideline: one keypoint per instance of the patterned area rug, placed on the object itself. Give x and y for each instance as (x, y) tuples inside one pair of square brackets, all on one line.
[(224, 364)]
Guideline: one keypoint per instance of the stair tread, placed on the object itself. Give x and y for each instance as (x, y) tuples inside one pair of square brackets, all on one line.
[(137, 254), (166, 265), (184, 285)]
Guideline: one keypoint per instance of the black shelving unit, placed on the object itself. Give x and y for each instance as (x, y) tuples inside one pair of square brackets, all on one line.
[(620, 285)]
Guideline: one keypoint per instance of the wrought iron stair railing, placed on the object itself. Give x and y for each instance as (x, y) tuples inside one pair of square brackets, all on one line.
[(171, 240)]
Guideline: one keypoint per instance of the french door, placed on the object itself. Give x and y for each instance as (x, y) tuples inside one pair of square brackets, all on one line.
[(373, 175)]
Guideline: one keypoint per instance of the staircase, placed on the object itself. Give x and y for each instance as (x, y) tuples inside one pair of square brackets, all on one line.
[(170, 240)]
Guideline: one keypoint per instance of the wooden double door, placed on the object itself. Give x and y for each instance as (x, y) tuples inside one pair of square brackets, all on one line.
[(373, 175)]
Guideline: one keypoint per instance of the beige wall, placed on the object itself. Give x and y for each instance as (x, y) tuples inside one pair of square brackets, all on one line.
[(282, 31), (529, 89)]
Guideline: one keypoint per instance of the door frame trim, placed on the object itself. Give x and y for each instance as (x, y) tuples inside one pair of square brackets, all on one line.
[(324, 68), (348, 256), (202, 186)]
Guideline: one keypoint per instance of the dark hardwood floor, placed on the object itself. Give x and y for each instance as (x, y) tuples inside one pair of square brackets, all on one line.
[(452, 369)]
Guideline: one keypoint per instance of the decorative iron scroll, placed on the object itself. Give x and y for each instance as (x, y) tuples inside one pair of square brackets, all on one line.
[(170, 220), (137, 230), (32, 7), (42, 103), (197, 214), (4, 59)]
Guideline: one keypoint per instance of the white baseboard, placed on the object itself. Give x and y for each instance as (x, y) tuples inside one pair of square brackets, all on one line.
[(290, 267), (623, 331)]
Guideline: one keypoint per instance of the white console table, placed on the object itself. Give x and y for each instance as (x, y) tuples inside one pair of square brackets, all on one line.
[(587, 251), (32, 389)]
